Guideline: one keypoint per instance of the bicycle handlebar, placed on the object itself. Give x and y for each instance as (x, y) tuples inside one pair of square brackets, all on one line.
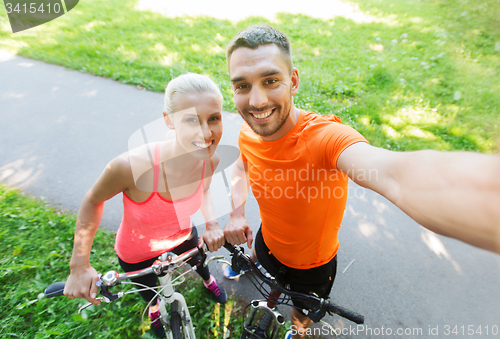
[(113, 278), (55, 290), (345, 313), (318, 306)]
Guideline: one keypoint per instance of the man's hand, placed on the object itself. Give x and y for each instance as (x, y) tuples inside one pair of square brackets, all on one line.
[(213, 237), (238, 231), (81, 283)]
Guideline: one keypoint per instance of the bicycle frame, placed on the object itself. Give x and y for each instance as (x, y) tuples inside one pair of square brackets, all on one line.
[(169, 296), (268, 325), (164, 268)]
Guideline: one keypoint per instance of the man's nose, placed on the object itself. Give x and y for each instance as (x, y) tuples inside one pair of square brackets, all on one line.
[(258, 97)]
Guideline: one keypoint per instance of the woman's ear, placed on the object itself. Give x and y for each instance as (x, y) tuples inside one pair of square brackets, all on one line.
[(168, 121)]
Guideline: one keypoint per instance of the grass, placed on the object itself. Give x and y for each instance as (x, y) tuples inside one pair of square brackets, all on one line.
[(35, 245), (423, 74)]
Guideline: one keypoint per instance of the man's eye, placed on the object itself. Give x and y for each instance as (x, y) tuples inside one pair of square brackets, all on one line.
[(271, 81), (241, 86)]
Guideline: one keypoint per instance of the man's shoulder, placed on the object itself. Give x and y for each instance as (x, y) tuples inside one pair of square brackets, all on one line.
[(328, 129), (311, 118), (315, 125)]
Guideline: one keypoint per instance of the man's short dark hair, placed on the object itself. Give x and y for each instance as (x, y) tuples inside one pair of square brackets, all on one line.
[(255, 36)]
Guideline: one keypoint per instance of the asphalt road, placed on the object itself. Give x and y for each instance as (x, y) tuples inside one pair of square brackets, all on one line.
[(59, 128)]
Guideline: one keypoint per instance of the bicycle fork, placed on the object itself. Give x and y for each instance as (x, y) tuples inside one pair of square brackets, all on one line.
[(169, 296), (271, 320)]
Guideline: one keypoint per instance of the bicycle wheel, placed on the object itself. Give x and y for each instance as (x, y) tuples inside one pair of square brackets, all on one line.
[(261, 331), (175, 320), (246, 335), (256, 335)]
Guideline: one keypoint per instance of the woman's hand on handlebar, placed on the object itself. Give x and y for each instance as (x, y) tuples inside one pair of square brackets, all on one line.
[(81, 283), (237, 231), (213, 237)]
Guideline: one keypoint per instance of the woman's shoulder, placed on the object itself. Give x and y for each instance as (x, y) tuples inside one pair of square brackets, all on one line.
[(116, 176), (136, 161)]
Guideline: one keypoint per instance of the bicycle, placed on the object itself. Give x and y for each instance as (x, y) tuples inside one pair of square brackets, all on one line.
[(177, 321), (266, 325)]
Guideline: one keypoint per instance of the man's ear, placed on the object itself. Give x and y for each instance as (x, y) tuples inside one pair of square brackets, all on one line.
[(168, 121), (295, 81)]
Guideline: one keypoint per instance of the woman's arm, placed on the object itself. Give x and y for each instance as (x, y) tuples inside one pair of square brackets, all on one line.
[(82, 278)]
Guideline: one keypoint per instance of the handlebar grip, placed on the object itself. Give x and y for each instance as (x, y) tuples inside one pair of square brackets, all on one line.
[(229, 247), (55, 290), (343, 312)]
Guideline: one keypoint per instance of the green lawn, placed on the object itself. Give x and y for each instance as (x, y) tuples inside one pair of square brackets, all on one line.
[(425, 74), (35, 247)]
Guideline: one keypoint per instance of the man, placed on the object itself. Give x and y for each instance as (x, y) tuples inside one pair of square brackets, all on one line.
[(298, 164)]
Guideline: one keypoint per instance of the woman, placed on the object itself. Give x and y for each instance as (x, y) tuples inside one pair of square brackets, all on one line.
[(163, 184)]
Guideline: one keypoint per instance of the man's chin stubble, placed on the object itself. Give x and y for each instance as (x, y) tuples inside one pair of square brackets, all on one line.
[(268, 134)]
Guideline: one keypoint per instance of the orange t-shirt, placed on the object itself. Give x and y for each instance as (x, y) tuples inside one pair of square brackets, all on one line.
[(301, 194)]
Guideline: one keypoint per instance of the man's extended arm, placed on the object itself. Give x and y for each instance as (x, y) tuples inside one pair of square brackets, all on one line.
[(456, 194)]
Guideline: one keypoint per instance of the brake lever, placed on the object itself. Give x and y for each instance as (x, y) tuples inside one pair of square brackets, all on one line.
[(101, 299), (224, 262), (317, 315), (212, 258)]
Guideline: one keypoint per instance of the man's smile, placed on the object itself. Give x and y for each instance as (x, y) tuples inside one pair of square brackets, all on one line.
[(261, 115)]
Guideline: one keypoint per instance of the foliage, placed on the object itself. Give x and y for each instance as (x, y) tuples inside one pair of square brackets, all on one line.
[(35, 246), (420, 74)]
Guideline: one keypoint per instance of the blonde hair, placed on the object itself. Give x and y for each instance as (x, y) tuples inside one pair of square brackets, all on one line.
[(188, 83)]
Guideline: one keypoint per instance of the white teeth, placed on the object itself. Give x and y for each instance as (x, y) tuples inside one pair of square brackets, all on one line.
[(262, 115), (204, 145)]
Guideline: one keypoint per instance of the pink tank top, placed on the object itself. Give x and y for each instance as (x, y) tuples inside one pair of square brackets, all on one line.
[(156, 225)]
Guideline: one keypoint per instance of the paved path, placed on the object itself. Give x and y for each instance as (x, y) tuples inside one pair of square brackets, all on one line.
[(59, 128)]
